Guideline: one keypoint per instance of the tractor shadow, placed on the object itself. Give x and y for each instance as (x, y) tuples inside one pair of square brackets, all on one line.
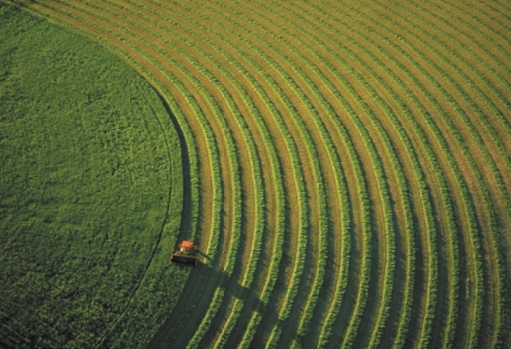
[(234, 291), (203, 282), (229, 284)]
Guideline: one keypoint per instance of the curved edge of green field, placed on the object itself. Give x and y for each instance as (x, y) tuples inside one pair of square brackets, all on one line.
[(91, 193)]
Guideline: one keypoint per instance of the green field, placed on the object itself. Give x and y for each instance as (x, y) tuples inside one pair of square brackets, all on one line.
[(90, 164), (342, 166)]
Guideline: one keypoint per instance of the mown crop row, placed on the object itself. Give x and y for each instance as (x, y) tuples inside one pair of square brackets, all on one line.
[(322, 208), (460, 139), (488, 159), (403, 139), (391, 152), (304, 215), (476, 137)]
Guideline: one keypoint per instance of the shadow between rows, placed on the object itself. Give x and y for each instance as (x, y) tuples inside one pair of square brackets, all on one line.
[(195, 301)]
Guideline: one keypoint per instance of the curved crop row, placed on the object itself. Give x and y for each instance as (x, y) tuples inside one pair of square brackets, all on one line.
[(481, 146), (454, 248), (398, 127), (397, 166), (318, 278)]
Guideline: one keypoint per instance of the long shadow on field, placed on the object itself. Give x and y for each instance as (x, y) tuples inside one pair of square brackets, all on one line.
[(195, 300)]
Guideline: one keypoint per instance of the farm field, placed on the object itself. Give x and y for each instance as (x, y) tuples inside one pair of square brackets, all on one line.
[(344, 171)]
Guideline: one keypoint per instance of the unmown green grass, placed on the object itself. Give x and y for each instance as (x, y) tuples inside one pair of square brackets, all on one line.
[(91, 193)]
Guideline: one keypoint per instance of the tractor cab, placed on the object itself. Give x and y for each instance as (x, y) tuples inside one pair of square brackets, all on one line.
[(186, 253)]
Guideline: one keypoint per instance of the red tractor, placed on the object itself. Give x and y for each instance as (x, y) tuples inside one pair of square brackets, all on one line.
[(186, 253)]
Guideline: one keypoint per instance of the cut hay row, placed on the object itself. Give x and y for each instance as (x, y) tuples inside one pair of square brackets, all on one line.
[(348, 166), (334, 60), (366, 53), (486, 64), (473, 81), (397, 168), (303, 215), (480, 146), (276, 253), (487, 158), (237, 302), (322, 237)]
